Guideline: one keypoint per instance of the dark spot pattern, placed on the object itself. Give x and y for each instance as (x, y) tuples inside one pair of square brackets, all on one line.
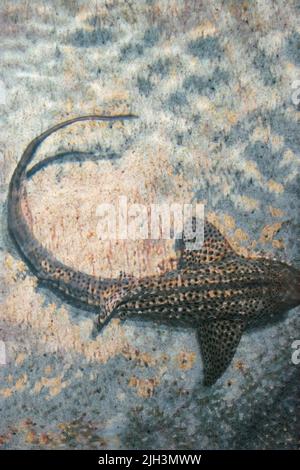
[(205, 85), (263, 63), (144, 85), (97, 37), (176, 101), (293, 48), (205, 48), (218, 341), (151, 36)]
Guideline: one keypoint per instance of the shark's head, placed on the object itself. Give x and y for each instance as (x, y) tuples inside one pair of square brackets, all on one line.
[(289, 278)]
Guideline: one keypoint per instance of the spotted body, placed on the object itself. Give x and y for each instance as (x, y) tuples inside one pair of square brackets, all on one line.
[(213, 290)]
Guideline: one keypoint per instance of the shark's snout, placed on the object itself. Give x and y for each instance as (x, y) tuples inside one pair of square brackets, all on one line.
[(293, 286)]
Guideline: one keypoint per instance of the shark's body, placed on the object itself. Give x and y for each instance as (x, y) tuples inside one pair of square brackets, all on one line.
[(213, 289)]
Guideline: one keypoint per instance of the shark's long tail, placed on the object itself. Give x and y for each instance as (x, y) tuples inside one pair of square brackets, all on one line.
[(46, 267)]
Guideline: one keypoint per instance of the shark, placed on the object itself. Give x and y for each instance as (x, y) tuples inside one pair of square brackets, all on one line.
[(214, 290)]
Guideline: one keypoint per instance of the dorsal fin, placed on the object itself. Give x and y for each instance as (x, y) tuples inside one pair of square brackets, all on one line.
[(218, 340), (215, 247)]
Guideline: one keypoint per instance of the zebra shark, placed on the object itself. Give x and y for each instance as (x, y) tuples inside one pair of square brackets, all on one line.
[(213, 289)]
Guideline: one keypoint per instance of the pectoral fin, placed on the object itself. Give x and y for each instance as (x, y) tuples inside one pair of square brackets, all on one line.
[(218, 342)]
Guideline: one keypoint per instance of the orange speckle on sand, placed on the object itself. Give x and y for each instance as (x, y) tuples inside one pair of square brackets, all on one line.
[(20, 359), (240, 235), (240, 365), (185, 360), (30, 437), (144, 387), (3, 439), (53, 384), (229, 222), (44, 439), (207, 28), (21, 382), (231, 117), (275, 187), (279, 244), (275, 212), (144, 359), (269, 231), (6, 392)]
